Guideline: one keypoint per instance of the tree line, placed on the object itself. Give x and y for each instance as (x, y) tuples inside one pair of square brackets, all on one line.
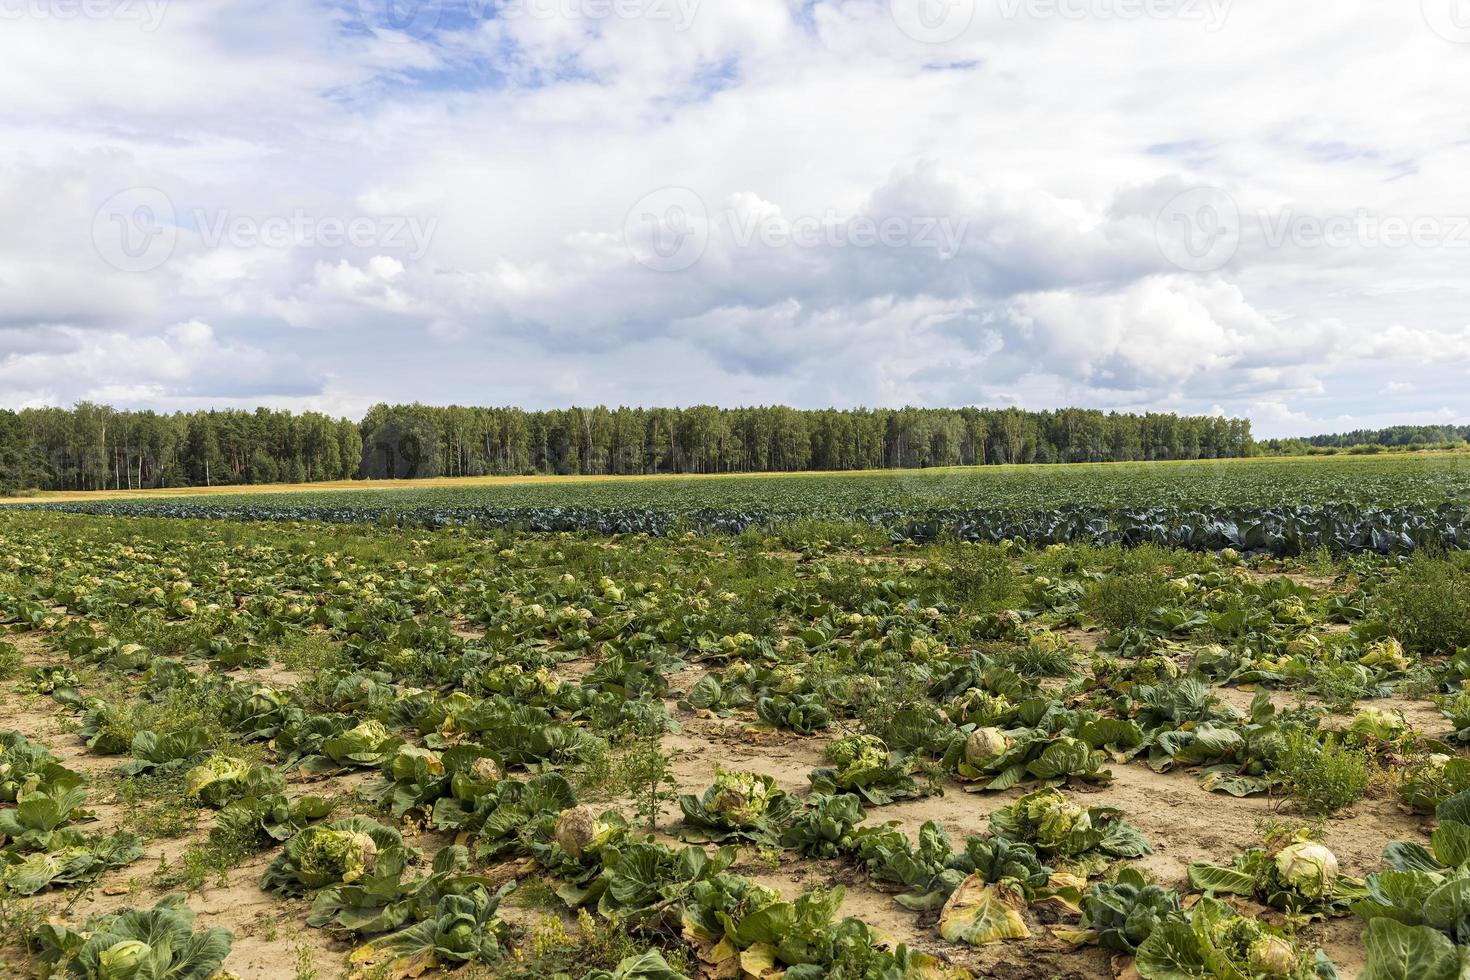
[(1394, 437), (94, 447)]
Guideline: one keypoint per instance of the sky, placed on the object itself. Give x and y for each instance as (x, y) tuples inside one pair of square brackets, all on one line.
[(1245, 207)]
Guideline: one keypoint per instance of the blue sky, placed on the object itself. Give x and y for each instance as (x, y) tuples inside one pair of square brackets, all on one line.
[(1245, 207)]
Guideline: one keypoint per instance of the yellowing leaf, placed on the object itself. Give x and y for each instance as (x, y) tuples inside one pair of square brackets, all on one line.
[(980, 913), (759, 961)]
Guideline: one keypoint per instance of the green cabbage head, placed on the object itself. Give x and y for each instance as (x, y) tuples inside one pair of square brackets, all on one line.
[(217, 769), (742, 798), (1272, 956), (1053, 818), (985, 745), (855, 755), (123, 960), (1308, 867), (327, 856)]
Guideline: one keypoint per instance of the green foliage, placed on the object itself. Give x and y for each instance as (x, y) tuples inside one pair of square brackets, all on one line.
[(1122, 914), (825, 827), (862, 764), (1424, 605), (157, 943), (1321, 776), (337, 853), (643, 772), (979, 578), (1073, 836), (1292, 872), (11, 660), (1418, 912), (1216, 942), (1127, 601), (742, 806), (474, 678)]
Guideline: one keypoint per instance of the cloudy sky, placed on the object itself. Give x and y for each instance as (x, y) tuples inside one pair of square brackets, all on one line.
[(1240, 206)]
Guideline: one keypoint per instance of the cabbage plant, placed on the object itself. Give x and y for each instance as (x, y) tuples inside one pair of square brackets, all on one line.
[(1217, 943), (739, 806), (1291, 872), (1073, 837), (157, 944), (330, 854), (862, 764)]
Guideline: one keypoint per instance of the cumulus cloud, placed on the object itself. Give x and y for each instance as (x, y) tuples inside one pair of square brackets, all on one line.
[(876, 217), (183, 364)]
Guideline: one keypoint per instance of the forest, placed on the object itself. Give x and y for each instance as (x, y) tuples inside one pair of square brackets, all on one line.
[(95, 447), (1394, 438)]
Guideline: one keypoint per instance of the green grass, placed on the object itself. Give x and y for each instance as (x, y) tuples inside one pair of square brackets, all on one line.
[(1385, 481)]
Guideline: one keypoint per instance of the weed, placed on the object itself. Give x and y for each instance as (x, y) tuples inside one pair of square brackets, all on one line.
[(978, 577), (1128, 600), (1046, 655), (534, 893), (1321, 778), (11, 661), (643, 772), (19, 919), (155, 805), (553, 949), (1339, 686), (305, 961), (312, 653), (1425, 605), (210, 860), (1418, 682)]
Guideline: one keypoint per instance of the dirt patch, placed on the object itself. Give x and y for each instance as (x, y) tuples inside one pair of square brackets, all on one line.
[(736, 744)]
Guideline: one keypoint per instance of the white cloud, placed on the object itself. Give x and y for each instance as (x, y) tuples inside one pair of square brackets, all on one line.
[(526, 140), (180, 365)]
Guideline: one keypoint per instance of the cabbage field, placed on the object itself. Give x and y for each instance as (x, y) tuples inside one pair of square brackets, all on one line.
[(1282, 506), (841, 726)]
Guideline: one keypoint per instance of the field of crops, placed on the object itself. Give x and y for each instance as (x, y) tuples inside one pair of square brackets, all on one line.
[(1284, 507), (301, 749)]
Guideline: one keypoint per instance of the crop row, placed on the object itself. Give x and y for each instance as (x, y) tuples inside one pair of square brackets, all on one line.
[(1277, 531)]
